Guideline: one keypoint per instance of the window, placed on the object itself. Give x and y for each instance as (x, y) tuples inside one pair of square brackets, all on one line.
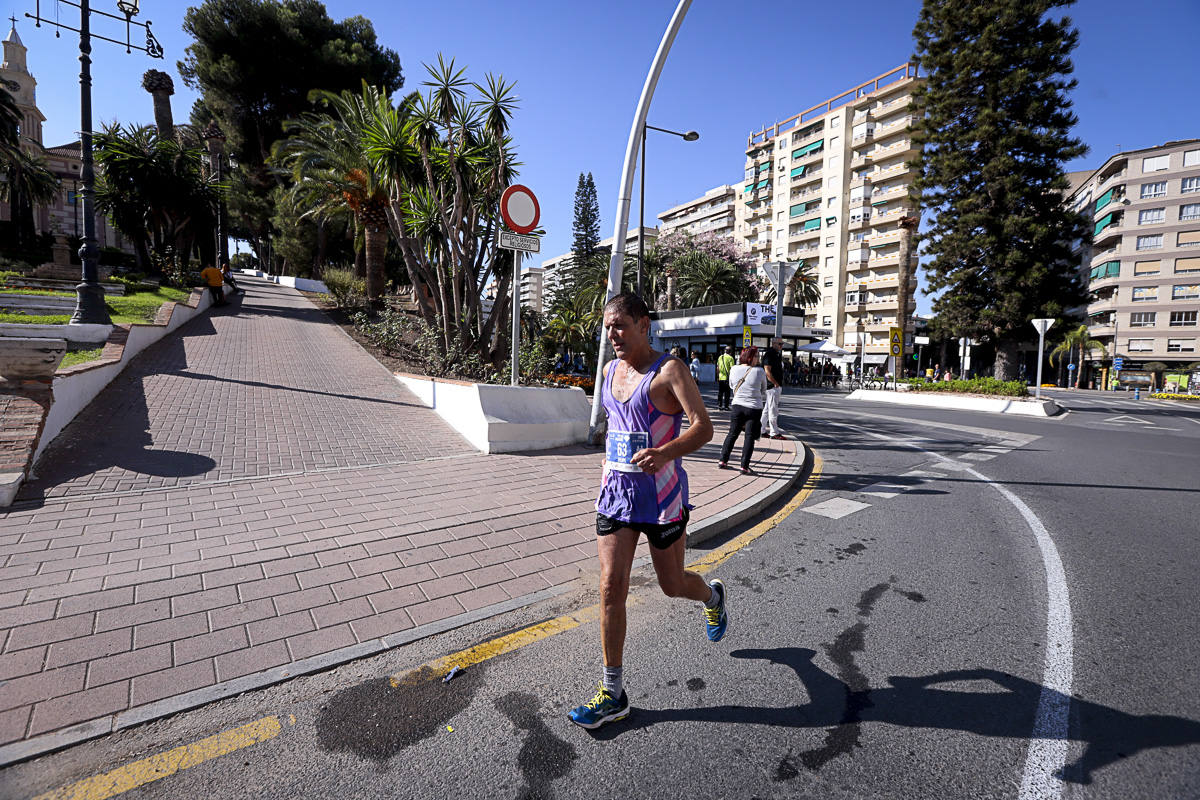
[(1189, 211), (1142, 319), (1149, 216), (1155, 163), (1141, 345), (832, 141), (829, 203), (1189, 185), (1145, 294), (828, 241), (1146, 267), (1158, 189), (836, 122), (1186, 291), (1181, 345), (833, 162), (826, 320), (828, 262), (1187, 265), (1191, 158), (1150, 242), (1184, 319)]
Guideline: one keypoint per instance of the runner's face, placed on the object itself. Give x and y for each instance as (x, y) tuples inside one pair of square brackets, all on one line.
[(624, 334)]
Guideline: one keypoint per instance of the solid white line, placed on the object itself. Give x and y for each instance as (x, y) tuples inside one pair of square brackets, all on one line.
[(1049, 740)]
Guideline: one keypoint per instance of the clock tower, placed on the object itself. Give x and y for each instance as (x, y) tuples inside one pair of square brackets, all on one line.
[(15, 78)]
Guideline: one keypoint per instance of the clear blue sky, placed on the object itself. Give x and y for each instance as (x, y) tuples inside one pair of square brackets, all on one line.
[(580, 66)]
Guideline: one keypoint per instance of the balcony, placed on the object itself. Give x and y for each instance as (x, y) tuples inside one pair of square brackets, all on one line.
[(1114, 195), (885, 260), (857, 222), (883, 130), (1113, 171), (881, 196), (884, 238)]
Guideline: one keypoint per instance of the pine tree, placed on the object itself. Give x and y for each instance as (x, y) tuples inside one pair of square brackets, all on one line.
[(586, 228), (996, 135)]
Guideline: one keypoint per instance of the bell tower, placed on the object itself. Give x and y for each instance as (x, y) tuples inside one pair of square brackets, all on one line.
[(17, 80)]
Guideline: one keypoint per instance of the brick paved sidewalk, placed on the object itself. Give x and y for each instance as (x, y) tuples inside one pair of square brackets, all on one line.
[(323, 515)]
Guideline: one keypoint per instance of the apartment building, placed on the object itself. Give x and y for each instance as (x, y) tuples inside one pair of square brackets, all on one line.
[(714, 212), (531, 288), (1143, 264), (828, 187), (553, 274)]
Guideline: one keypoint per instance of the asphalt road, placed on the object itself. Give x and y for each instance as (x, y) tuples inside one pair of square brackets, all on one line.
[(889, 639)]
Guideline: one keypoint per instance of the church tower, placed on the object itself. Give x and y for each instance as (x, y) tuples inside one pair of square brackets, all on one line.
[(14, 74)]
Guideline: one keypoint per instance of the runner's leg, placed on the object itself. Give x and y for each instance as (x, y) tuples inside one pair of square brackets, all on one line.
[(673, 579), (616, 561)]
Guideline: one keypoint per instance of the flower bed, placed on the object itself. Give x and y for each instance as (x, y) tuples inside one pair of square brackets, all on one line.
[(1191, 398), (585, 382), (983, 386)]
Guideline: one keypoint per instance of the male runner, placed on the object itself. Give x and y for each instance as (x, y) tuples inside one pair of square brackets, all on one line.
[(644, 490)]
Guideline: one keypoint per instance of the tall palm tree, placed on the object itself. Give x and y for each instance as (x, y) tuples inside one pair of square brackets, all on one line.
[(327, 153), (1074, 345), (704, 280)]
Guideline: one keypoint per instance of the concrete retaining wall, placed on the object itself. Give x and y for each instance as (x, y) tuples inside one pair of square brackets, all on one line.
[(506, 419), (996, 405), (76, 334)]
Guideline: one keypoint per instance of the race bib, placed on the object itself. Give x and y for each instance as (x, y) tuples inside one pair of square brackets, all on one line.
[(621, 445)]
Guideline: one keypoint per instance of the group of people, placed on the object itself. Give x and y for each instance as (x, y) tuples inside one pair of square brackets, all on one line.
[(215, 279)]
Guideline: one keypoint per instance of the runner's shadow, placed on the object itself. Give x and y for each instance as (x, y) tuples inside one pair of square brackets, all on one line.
[(1006, 708)]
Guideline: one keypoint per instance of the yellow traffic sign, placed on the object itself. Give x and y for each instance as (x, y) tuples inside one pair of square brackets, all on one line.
[(747, 336), (894, 335)]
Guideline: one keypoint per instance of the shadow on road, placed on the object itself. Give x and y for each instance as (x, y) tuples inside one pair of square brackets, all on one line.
[(920, 702)]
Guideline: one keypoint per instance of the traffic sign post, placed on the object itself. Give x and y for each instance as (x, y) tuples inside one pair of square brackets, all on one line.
[(520, 211), (896, 350), (747, 336), (1041, 326), (779, 273)]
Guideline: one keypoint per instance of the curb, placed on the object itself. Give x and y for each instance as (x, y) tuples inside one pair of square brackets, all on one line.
[(77, 734)]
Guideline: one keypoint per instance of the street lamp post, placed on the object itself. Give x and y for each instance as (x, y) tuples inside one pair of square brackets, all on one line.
[(690, 136), (89, 304), (215, 140)]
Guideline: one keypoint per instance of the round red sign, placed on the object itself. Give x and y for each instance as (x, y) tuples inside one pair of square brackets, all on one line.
[(519, 208)]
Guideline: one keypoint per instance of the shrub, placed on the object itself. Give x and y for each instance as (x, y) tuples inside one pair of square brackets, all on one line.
[(585, 382), (410, 337), (347, 290), (976, 386)]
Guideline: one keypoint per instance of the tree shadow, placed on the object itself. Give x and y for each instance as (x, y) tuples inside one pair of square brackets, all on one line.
[(1005, 709)]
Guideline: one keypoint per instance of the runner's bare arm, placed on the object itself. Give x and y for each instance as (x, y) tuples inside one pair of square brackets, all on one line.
[(678, 379)]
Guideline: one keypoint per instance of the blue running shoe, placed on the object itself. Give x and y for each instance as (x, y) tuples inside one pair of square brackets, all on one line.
[(717, 619), (601, 709)]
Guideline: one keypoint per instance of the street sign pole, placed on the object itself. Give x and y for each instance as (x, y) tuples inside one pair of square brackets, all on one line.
[(1041, 325), (516, 318), (779, 272)]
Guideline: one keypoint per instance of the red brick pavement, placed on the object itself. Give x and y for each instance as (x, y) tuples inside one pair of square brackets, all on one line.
[(115, 598)]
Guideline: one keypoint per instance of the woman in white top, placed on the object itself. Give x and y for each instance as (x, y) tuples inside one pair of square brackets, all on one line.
[(749, 382)]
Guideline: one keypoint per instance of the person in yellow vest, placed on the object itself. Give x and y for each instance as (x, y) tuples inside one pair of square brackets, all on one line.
[(213, 278), (724, 365)]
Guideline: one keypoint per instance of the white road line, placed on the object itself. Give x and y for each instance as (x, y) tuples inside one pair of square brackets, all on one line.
[(978, 456), (836, 508), (1049, 740), (882, 489)]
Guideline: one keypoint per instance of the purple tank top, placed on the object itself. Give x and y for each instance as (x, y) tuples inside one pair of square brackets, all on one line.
[(635, 496)]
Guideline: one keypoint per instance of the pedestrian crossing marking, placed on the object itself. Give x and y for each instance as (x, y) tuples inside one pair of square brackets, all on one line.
[(1127, 418), (835, 508)]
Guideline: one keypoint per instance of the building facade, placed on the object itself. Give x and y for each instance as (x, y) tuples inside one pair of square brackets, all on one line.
[(531, 288), (554, 274), (828, 187), (1143, 263), (62, 214), (714, 212)]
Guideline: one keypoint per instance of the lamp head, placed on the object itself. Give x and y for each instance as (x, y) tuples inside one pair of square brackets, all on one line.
[(128, 7), (691, 136)]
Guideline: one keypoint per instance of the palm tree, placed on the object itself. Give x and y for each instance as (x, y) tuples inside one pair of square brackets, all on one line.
[(1074, 345), (704, 280), (333, 173)]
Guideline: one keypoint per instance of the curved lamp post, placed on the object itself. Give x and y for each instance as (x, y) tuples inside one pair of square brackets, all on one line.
[(89, 305), (690, 136), (621, 226)]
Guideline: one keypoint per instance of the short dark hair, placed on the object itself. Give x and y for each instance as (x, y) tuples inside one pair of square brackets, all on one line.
[(628, 303)]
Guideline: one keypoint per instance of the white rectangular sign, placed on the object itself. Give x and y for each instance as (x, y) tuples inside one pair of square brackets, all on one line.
[(518, 241)]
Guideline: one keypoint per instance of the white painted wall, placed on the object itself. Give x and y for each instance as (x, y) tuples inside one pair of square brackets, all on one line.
[(506, 419), (79, 334), (998, 405)]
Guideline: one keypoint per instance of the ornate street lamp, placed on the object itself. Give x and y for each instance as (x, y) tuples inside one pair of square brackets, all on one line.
[(89, 306)]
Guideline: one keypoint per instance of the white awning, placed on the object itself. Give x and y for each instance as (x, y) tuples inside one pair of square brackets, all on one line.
[(875, 358)]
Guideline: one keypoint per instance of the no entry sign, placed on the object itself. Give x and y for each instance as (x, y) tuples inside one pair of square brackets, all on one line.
[(519, 208)]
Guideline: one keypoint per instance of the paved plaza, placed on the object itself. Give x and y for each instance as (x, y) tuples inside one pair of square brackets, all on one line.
[(255, 497)]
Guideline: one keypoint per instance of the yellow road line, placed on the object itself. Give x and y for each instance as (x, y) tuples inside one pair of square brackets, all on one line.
[(544, 630), (163, 765)]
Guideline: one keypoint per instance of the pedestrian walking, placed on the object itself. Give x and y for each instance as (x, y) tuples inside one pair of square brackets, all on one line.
[(772, 360), (695, 367), (644, 490), (725, 363), (213, 278), (749, 382)]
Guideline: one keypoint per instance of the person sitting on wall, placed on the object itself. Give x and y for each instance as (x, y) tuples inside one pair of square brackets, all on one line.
[(213, 278)]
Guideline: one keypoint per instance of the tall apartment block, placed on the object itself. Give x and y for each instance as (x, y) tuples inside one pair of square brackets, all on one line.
[(828, 186), (531, 288), (1143, 265), (715, 212)]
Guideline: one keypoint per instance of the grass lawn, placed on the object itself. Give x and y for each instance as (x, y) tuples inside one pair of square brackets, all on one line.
[(139, 306), (80, 356), (47, 292)]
